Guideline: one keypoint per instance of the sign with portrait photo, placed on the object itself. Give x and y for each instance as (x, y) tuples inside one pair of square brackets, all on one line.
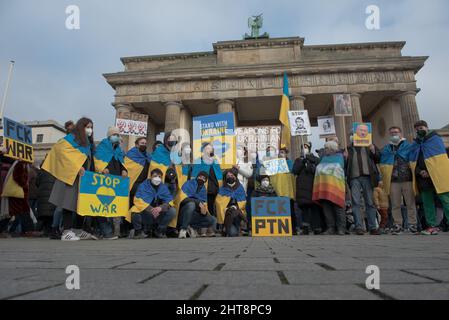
[(343, 105), (326, 127), (362, 134), (299, 123)]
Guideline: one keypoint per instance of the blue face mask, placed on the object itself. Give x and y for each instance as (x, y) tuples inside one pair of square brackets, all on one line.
[(114, 139)]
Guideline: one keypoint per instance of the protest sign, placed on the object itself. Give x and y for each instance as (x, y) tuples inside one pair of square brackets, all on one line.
[(343, 105), (275, 166), (362, 134), (18, 141), (271, 217), (103, 196), (299, 123), (326, 127)]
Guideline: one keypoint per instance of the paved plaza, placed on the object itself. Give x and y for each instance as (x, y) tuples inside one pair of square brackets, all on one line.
[(312, 267)]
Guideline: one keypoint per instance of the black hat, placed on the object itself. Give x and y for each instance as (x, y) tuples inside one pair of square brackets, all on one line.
[(157, 170), (204, 174), (421, 123)]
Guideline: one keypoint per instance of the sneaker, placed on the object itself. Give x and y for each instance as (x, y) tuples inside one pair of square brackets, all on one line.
[(192, 232), (341, 233), (139, 234), (159, 234), (55, 234), (84, 235), (412, 229), (69, 235), (396, 230), (430, 232), (182, 234), (375, 232), (211, 232), (111, 237), (203, 232), (383, 231), (359, 232)]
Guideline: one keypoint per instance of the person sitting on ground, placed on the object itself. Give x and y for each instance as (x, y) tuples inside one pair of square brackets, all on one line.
[(153, 204), (264, 188), (193, 208), (230, 204)]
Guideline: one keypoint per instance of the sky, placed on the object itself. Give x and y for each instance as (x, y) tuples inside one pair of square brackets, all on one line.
[(58, 72)]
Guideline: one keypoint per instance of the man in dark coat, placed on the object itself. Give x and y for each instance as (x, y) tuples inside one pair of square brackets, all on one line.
[(304, 168)]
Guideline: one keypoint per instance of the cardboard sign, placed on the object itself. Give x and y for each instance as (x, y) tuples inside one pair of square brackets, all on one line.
[(326, 127), (343, 105), (362, 134), (275, 166), (299, 123), (257, 139), (271, 217), (18, 141), (129, 127), (103, 195), (217, 129)]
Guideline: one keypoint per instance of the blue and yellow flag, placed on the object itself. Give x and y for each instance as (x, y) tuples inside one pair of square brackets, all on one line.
[(105, 152), (225, 195), (11, 188), (283, 115), (65, 159), (387, 158), (188, 190), (436, 160), (103, 196), (135, 162), (160, 159), (285, 183), (146, 193), (202, 166)]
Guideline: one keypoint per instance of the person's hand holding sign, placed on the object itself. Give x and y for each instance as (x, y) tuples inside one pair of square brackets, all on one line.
[(156, 212), (203, 209), (372, 148), (106, 171), (82, 172)]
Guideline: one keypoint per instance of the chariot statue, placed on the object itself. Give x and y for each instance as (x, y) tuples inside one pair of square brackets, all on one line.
[(255, 23)]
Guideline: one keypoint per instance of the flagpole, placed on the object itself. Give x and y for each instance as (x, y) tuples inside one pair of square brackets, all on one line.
[(5, 94), (344, 133)]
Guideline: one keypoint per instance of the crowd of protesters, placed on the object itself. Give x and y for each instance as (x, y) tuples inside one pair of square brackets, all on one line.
[(401, 188)]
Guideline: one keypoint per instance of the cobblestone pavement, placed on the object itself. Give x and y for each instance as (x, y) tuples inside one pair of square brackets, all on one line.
[(312, 267)]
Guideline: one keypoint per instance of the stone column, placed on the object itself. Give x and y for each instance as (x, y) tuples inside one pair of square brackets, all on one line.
[(297, 104), (151, 134), (123, 111), (224, 106), (410, 114), (172, 115), (356, 108)]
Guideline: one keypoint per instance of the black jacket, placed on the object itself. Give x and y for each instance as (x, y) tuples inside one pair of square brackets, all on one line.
[(44, 185), (304, 169), (373, 160)]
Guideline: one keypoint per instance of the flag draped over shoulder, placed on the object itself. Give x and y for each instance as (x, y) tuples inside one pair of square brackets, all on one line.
[(225, 195), (387, 159), (202, 166), (105, 152), (135, 162), (160, 159), (285, 183), (146, 193), (283, 115), (188, 190), (436, 159), (329, 183), (65, 159)]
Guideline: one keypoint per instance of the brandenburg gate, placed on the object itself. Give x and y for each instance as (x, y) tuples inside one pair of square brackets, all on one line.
[(246, 77)]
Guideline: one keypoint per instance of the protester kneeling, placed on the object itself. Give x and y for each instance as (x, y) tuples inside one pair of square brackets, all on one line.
[(153, 205), (193, 210), (230, 204)]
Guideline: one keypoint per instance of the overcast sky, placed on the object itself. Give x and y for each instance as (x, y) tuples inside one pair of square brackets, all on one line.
[(58, 72)]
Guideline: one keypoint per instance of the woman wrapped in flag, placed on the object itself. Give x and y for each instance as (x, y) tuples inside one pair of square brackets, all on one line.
[(191, 202), (153, 204), (430, 169), (110, 159), (329, 188), (137, 163), (69, 158), (230, 204)]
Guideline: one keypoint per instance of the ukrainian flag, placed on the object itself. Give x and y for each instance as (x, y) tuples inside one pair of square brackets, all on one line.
[(202, 166), (225, 195), (283, 116), (160, 159), (387, 162), (65, 159), (146, 194), (135, 162), (11, 188), (105, 152), (188, 190), (285, 183), (436, 160)]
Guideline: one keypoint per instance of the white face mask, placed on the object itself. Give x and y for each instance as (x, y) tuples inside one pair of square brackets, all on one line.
[(89, 132), (156, 181), (265, 183), (187, 151)]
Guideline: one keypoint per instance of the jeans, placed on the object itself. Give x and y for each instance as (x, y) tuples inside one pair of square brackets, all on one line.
[(194, 218), (335, 216), (146, 220), (57, 219), (105, 225), (361, 186)]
